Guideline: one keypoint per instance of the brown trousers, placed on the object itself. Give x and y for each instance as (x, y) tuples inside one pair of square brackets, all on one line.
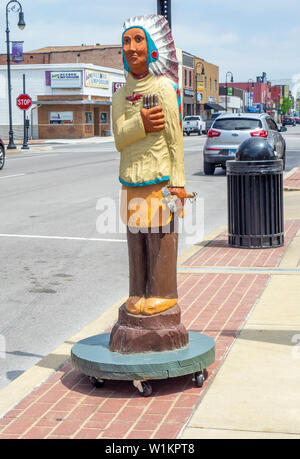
[(152, 263)]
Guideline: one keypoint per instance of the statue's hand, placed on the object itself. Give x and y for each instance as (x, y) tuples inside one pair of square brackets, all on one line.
[(153, 119), (181, 193)]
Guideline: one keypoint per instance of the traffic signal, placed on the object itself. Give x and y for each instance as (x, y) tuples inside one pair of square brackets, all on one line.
[(164, 9)]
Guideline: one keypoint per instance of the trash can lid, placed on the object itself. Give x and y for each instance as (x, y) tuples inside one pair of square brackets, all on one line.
[(255, 149)]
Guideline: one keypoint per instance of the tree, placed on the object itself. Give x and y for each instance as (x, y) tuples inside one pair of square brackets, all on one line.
[(286, 105)]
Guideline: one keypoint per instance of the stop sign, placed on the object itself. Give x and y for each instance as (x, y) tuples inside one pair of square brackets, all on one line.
[(24, 101)]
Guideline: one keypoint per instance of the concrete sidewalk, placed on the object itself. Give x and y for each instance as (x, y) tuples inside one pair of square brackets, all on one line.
[(47, 142), (247, 300)]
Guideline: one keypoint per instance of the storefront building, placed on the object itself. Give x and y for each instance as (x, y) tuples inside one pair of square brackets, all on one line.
[(188, 83), (235, 99), (68, 100), (206, 98)]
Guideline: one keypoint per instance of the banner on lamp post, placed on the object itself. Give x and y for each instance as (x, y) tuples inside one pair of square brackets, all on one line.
[(17, 51)]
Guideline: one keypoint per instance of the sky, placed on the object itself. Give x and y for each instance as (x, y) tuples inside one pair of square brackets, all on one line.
[(245, 38)]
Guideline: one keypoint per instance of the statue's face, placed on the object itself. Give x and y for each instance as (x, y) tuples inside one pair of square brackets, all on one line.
[(135, 50)]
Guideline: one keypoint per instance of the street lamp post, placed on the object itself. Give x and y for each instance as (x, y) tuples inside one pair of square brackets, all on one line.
[(231, 80), (15, 6), (197, 80), (164, 9)]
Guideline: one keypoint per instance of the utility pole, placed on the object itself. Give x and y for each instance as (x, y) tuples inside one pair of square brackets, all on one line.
[(164, 9)]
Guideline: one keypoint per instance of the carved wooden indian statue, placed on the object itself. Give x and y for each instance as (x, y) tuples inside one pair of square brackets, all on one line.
[(147, 125)]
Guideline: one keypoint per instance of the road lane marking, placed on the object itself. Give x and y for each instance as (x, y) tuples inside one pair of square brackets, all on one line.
[(36, 155), (10, 176), (62, 238)]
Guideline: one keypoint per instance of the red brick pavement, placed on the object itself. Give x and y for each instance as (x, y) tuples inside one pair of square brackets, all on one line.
[(293, 181), (217, 252), (68, 406), (217, 304)]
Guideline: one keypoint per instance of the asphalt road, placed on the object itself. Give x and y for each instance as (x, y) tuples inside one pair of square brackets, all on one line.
[(58, 269)]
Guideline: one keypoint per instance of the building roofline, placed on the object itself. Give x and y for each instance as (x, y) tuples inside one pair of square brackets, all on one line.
[(53, 67), (64, 49)]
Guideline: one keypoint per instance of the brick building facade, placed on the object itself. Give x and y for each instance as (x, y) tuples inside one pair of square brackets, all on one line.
[(261, 91), (68, 100), (188, 83), (103, 55)]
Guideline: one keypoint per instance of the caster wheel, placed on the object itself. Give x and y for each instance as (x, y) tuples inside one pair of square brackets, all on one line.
[(144, 388), (200, 377), (96, 382)]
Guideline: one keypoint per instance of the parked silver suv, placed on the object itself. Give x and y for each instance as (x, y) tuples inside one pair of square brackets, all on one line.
[(229, 130)]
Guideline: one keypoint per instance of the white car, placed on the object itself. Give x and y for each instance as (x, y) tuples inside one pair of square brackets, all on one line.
[(194, 123)]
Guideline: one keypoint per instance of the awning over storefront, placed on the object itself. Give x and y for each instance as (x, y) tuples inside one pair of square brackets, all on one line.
[(212, 106)]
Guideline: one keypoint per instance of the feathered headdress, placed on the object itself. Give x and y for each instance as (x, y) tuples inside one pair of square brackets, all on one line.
[(161, 59)]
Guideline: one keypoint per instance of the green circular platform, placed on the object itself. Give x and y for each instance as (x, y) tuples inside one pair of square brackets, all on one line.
[(92, 357)]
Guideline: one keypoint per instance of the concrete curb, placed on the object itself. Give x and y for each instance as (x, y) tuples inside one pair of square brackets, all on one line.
[(287, 176), (291, 172), (33, 148)]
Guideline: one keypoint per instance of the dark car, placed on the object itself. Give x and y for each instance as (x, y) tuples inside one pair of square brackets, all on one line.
[(287, 120), (2, 154), (297, 119)]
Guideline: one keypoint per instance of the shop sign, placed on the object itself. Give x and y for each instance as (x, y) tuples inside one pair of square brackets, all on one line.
[(199, 86), (117, 85), (66, 80), (188, 92), (199, 97), (212, 100), (96, 79), (229, 91)]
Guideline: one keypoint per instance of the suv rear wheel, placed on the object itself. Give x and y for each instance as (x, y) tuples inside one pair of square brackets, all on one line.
[(2, 158), (209, 168)]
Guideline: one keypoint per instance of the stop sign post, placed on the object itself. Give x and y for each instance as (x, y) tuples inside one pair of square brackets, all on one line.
[(24, 102)]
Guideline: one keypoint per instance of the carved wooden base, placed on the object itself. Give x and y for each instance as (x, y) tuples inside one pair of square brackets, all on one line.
[(133, 334)]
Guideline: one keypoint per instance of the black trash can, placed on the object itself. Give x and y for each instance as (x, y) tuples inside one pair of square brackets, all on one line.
[(255, 197)]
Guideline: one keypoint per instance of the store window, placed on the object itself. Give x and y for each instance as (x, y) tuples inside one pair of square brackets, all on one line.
[(103, 118), (88, 118), (190, 78), (61, 117), (185, 78)]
